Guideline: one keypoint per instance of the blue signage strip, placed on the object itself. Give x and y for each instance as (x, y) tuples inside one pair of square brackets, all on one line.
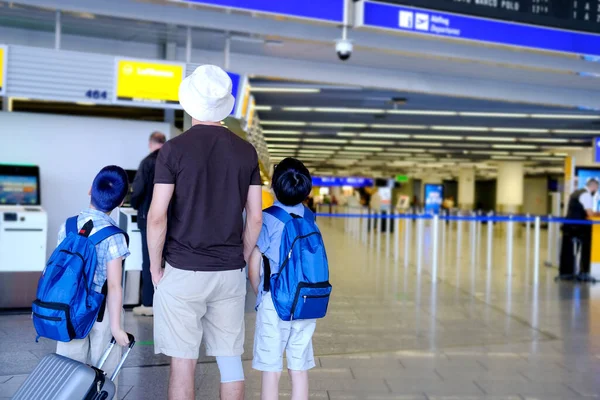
[(442, 24), (597, 150), (333, 181), (324, 10), (235, 89)]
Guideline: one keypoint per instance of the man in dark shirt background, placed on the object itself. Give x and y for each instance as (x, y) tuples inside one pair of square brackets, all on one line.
[(205, 178), (141, 197)]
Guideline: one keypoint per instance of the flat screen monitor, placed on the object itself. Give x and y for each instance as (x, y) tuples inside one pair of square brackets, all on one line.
[(130, 176), (582, 174), (434, 195), (20, 185)]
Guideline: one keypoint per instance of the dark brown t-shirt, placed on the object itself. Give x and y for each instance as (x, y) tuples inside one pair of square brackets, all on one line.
[(212, 170)]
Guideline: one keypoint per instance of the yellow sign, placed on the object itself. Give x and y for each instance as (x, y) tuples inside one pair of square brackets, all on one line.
[(2, 73), (148, 82)]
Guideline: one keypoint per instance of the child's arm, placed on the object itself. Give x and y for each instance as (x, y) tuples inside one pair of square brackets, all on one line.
[(254, 269), (114, 300)]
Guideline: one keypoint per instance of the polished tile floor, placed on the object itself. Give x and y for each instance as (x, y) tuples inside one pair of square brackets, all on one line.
[(461, 331)]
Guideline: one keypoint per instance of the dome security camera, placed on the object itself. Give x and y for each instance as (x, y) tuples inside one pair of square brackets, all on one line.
[(343, 48)]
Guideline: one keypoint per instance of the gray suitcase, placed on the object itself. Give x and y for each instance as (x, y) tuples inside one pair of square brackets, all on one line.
[(60, 378)]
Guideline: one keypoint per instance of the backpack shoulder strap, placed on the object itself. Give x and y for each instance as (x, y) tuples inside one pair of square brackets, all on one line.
[(309, 215), (279, 213), (71, 225), (107, 232)]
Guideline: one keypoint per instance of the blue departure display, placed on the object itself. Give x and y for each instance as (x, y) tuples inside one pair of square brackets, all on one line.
[(334, 181), (444, 24), (434, 196)]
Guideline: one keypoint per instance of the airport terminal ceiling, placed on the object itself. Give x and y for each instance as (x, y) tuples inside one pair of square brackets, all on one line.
[(358, 130)]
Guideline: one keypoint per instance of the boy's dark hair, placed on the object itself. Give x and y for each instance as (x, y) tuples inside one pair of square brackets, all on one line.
[(109, 188), (291, 182)]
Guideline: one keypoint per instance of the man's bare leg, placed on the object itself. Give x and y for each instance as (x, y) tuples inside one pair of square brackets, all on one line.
[(182, 379), (232, 391)]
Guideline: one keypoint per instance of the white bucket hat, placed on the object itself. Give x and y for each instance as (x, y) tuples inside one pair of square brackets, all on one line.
[(206, 94)]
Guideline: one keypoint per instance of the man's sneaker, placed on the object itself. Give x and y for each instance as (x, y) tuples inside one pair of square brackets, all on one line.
[(143, 311)]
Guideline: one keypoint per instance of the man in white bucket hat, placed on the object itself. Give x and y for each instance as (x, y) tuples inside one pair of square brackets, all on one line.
[(204, 178)]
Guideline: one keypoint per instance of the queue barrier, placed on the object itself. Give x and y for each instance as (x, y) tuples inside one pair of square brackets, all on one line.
[(364, 224)]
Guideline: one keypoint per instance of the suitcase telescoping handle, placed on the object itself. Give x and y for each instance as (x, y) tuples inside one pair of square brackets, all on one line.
[(123, 358)]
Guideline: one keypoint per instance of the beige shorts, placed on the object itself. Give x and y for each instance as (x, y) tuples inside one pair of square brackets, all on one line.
[(192, 305)]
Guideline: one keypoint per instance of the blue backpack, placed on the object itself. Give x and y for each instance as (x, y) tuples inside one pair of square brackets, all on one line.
[(67, 305), (301, 289)]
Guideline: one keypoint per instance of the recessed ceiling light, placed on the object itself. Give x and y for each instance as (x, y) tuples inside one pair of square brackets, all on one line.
[(521, 130), (544, 140), (576, 131), (346, 134), (390, 126), (460, 128), (403, 150), (437, 137), (313, 147), (349, 110), (278, 132), (282, 146), (424, 144), (364, 148), (338, 125), (262, 108), (507, 158), (324, 140), (514, 146), (384, 135), (555, 159), (493, 115), (375, 142), (302, 151), (491, 139), (283, 123), (467, 145), (565, 116), (423, 112), (283, 140), (269, 89), (489, 152)]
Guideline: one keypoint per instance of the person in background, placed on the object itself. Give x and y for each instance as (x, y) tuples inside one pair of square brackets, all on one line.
[(205, 178), (108, 191), (273, 336), (579, 208), (141, 197)]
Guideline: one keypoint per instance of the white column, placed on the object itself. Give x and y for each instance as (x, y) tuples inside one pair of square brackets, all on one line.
[(466, 189), (509, 187)]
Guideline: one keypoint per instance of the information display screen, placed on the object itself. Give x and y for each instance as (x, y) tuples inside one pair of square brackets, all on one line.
[(21, 190), (434, 195), (582, 174), (581, 15), (333, 181)]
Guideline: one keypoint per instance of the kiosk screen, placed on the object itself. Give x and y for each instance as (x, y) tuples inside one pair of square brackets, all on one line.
[(19, 185)]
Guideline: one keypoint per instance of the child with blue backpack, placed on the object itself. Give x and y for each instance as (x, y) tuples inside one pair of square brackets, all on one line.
[(84, 312), (289, 273)]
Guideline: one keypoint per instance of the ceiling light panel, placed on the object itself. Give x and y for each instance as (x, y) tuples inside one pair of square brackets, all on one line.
[(283, 123), (490, 139), (514, 146), (346, 134), (316, 147), (338, 125), (544, 140), (437, 137), (520, 130), (493, 115), (565, 116), (282, 146), (507, 158), (576, 131), (283, 140), (384, 135), (281, 132), (390, 126), (364, 148), (374, 142), (423, 112), (349, 110), (423, 144), (324, 140), (460, 128), (269, 89), (262, 108)]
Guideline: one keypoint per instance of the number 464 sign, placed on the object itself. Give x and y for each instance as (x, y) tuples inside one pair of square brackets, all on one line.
[(96, 94)]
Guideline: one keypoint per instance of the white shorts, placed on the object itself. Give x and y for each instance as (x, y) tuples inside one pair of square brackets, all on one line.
[(273, 337)]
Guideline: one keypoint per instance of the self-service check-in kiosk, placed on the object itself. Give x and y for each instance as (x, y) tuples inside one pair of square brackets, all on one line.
[(23, 235), (133, 264)]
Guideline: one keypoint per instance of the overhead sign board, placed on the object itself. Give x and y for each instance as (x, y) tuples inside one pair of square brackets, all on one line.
[(401, 178), (397, 18), (147, 82), (3, 62), (334, 181), (323, 10), (597, 149)]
